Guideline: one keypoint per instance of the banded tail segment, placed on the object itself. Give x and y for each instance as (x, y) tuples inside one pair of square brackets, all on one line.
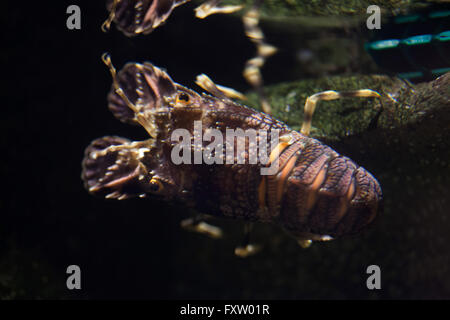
[(328, 194)]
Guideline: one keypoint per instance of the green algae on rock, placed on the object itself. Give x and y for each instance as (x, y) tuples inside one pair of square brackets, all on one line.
[(295, 8), (401, 104)]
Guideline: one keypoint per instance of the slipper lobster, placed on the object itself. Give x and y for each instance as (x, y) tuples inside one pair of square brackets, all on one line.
[(314, 193)]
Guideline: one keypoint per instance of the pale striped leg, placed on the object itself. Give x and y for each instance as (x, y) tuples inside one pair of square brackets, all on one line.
[(107, 24), (106, 58), (197, 224), (212, 7), (140, 118), (252, 70), (216, 90), (311, 102), (247, 249)]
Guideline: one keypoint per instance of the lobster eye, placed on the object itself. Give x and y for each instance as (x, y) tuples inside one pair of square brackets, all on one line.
[(183, 98), (156, 186)]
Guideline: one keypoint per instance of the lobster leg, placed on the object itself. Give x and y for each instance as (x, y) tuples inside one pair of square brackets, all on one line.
[(246, 249), (197, 224), (216, 90), (107, 61), (139, 116), (310, 104), (304, 243), (107, 24), (212, 7), (252, 70), (306, 239)]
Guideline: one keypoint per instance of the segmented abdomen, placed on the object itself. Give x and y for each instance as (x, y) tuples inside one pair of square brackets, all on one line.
[(326, 193)]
